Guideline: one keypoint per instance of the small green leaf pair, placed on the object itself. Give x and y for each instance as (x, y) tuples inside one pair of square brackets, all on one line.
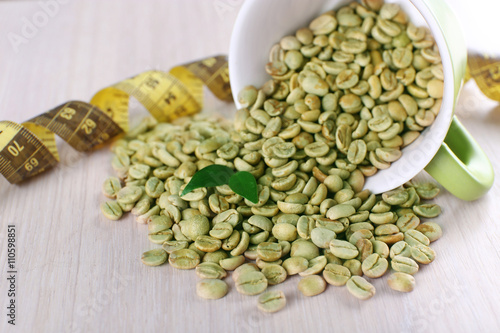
[(241, 182)]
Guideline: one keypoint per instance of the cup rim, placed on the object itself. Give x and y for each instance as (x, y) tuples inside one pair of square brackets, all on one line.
[(425, 147)]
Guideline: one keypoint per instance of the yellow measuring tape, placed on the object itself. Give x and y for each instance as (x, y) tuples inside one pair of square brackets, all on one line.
[(485, 70), (28, 149)]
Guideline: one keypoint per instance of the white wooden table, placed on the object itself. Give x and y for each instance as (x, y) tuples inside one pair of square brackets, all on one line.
[(78, 272)]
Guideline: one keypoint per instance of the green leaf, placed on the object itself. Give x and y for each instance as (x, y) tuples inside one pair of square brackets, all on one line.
[(244, 184), (212, 175)]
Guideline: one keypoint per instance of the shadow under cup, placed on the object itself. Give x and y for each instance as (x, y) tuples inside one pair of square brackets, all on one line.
[(464, 170)]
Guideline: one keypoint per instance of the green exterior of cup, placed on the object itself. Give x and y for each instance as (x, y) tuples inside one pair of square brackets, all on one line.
[(460, 164)]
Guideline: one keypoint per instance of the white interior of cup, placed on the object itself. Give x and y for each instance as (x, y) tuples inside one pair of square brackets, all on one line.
[(262, 23)]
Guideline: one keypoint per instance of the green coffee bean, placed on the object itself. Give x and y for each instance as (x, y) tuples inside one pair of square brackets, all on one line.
[(360, 217), (111, 210), (316, 266), (271, 301), (202, 254), (400, 248), (247, 96), (305, 249), (197, 225), (230, 216), (184, 259), (304, 35), (331, 258), (142, 206), (221, 230), (251, 283), (275, 274), (388, 155), (207, 244), (242, 246), (357, 152), (435, 88), (381, 248), (381, 207), (129, 194), (408, 222), (232, 241), (154, 187), (343, 138), (312, 285), (360, 234), (195, 195), (323, 25), (413, 199), (360, 288), (401, 282), (427, 210), (248, 267), (161, 237), (268, 251), (178, 235), (214, 257), (339, 211), (291, 208), (322, 237), (176, 201), (353, 46), (347, 79), (336, 275), (295, 265), (396, 197), (404, 264), (285, 232), (422, 254), (139, 171), (230, 264), (121, 164), (427, 191), (211, 288), (374, 266), (174, 245), (381, 218), (402, 57), (343, 249), (286, 247), (111, 187), (388, 233), (431, 230), (210, 270), (414, 237), (154, 257), (261, 222), (261, 263), (335, 226), (365, 248), (173, 212), (380, 124), (348, 19), (354, 266), (305, 225), (315, 85)]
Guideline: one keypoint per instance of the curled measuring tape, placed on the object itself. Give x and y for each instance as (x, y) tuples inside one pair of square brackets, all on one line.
[(30, 148), (485, 70)]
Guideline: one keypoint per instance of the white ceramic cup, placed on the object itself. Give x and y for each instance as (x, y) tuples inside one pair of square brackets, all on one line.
[(262, 23)]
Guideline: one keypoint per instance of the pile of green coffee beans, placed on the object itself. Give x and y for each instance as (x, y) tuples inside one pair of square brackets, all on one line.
[(346, 95)]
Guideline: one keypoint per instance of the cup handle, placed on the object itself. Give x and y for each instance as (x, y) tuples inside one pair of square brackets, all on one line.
[(461, 166)]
